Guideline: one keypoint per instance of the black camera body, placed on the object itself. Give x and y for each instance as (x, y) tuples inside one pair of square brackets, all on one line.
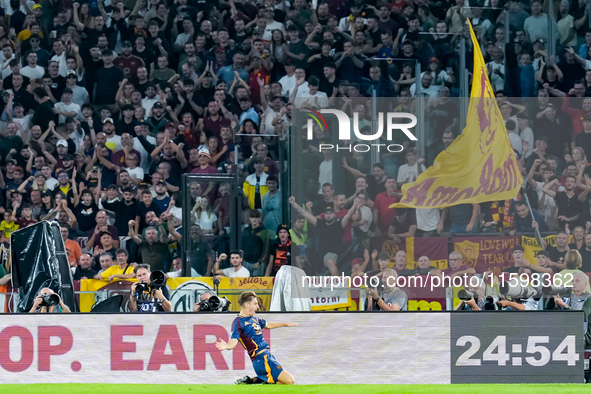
[(142, 288), (157, 281), (214, 304), (466, 295), (50, 299)]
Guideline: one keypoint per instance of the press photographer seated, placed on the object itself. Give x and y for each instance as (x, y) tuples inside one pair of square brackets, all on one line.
[(388, 297), (473, 298), (49, 301), (211, 302), (575, 297), (154, 298)]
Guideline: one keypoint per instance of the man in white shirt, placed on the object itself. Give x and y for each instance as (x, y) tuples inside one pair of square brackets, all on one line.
[(237, 270), (32, 70), (525, 133), (513, 136), (150, 99), (427, 87), (272, 24), (288, 82), (312, 98), (60, 56), (145, 159), (66, 108), (409, 172), (177, 264), (8, 55)]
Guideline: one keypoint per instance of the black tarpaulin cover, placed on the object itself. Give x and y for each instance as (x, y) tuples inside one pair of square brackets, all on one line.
[(39, 259)]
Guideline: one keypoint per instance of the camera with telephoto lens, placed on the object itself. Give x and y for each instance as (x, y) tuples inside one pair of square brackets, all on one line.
[(561, 291), (214, 304), (491, 304), (518, 292), (157, 281), (50, 299), (466, 295)]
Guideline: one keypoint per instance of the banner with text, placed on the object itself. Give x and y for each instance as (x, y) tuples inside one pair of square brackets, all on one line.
[(410, 348), (185, 292), (487, 253)]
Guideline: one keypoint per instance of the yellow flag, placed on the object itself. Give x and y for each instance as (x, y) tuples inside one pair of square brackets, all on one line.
[(479, 165)]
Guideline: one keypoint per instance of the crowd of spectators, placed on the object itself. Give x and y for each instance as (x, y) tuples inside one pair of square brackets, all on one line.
[(105, 104)]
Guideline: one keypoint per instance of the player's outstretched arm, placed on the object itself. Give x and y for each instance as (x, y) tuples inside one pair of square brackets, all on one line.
[(271, 326), (222, 345)]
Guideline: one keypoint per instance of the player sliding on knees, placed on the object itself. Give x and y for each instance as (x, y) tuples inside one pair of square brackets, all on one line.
[(247, 328)]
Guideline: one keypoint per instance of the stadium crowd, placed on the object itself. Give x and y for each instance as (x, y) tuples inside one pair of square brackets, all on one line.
[(105, 104)]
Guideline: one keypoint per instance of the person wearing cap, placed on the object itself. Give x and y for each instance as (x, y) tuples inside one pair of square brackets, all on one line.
[(158, 120), (408, 51), (16, 202), (18, 176), (79, 94), (127, 61), (34, 41), (113, 141), (127, 123), (37, 182), (150, 98), (282, 252), (162, 198)]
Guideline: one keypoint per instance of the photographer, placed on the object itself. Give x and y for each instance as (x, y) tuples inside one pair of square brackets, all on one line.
[(209, 301), (153, 300), (391, 298), (579, 298), (49, 301), (473, 304), (204, 297)]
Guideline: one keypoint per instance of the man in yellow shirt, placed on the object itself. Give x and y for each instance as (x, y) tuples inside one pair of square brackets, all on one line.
[(123, 270)]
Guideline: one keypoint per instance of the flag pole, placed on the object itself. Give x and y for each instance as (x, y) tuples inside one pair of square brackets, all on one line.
[(537, 228)]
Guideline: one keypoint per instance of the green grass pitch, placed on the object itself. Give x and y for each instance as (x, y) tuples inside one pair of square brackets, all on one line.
[(324, 389)]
